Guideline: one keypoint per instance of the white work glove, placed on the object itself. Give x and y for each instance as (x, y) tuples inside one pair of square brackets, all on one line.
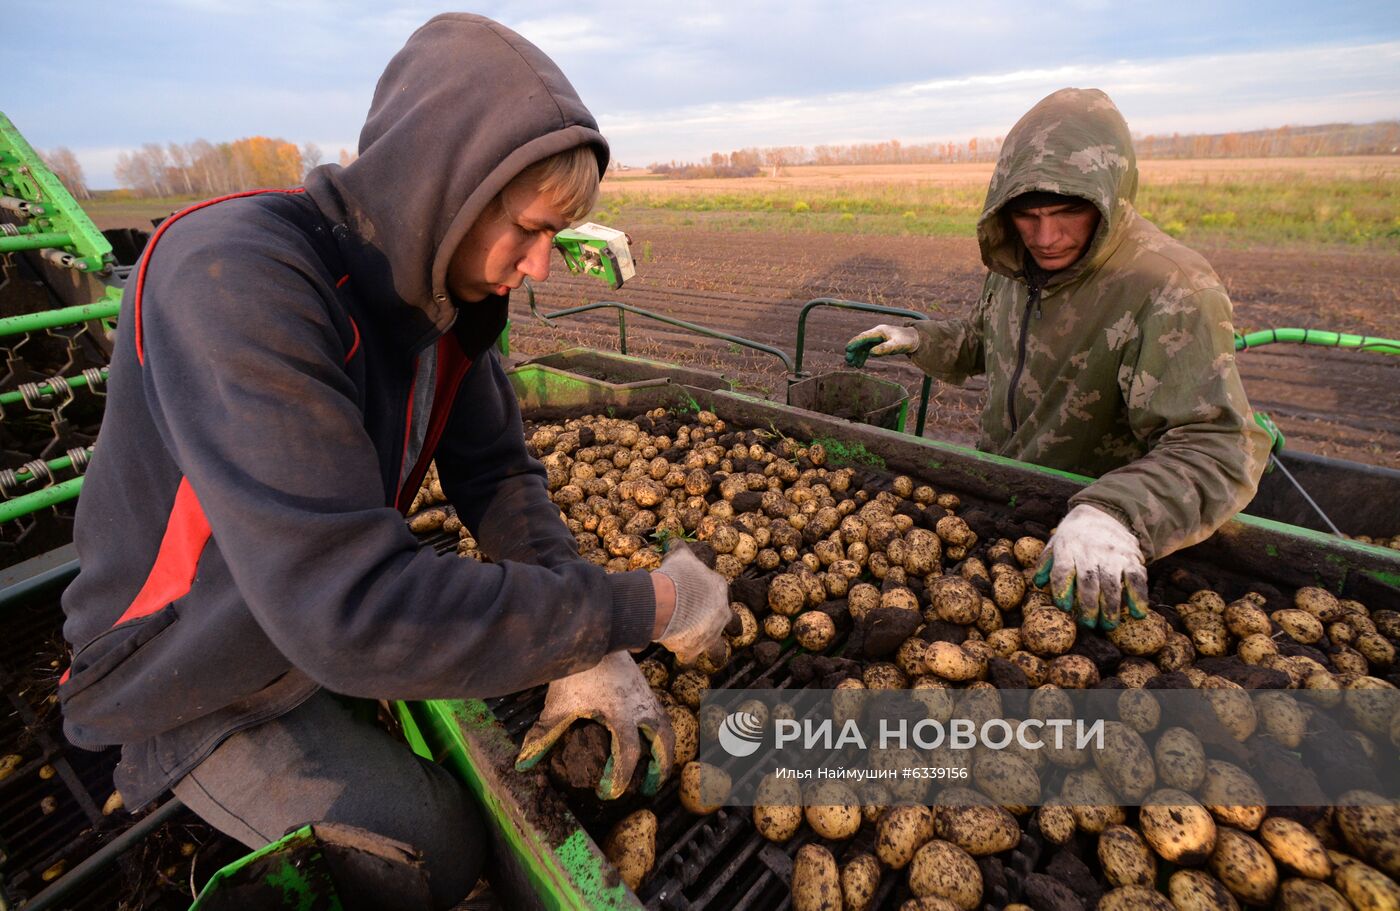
[(614, 693), (1094, 565), (702, 607), (880, 341)]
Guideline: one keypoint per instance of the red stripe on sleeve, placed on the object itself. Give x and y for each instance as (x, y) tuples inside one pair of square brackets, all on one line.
[(172, 576)]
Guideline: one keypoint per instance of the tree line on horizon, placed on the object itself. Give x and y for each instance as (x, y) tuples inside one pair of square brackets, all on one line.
[(1381, 138)]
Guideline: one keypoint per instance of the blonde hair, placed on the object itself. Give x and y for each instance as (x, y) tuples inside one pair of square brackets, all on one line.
[(569, 177)]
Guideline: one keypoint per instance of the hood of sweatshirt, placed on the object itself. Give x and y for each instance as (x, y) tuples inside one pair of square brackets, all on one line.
[(463, 108), (1073, 142)]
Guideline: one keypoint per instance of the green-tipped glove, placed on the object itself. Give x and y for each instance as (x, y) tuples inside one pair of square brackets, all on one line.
[(1094, 566), (615, 694), (881, 341)]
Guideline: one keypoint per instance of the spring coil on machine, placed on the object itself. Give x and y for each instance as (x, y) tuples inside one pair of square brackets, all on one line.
[(38, 470), (58, 395)]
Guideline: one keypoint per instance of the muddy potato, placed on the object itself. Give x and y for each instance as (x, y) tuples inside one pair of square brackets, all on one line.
[(1139, 710), (1178, 653), (1242, 864), (883, 675), (1177, 827), (1140, 638), (1008, 779), (777, 627), (1367, 888), (1047, 632), (953, 599), (1093, 802), (954, 531), (900, 833), (1232, 705), (978, 830), (1056, 821), (900, 597), (687, 731), (932, 903), (1310, 895), (1195, 890), (860, 880), (943, 870), (1134, 898), (1301, 626), (1371, 825), (833, 811), (1232, 796), (816, 884), (1320, 603), (700, 781), (952, 662), (1243, 619), (1125, 762), (814, 630), (631, 847), (786, 594), (1008, 588), (689, 687), (1180, 759), (1072, 672), (1125, 858), (777, 810), (1254, 649), (742, 631), (1295, 845), (1027, 551), (1033, 666)]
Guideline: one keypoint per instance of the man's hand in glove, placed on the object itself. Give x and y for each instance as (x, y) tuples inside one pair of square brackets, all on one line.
[(880, 341), (614, 693), (702, 606), (1094, 566)]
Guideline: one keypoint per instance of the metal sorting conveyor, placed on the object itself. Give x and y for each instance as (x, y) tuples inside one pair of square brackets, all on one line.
[(547, 846)]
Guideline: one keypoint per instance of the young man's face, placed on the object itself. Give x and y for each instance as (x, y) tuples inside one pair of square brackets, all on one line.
[(1057, 236), (510, 241)]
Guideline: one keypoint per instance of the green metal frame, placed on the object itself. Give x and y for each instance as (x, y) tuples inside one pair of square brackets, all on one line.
[(624, 309), (104, 309), (54, 218), (839, 303), (1318, 337)]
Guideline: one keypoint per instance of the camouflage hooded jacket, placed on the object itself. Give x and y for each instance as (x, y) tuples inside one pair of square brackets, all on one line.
[(1122, 367)]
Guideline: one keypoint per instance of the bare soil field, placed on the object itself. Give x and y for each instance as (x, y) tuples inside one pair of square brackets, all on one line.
[(1336, 403)]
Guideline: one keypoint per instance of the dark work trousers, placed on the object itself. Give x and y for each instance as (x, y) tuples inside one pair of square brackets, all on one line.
[(326, 762)]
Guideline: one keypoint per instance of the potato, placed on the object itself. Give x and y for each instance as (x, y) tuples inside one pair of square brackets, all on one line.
[(1232, 705), (1047, 632), (1300, 625), (1072, 672), (1056, 821), (701, 780), (930, 903), (1027, 551), (1008, 779), (1367, 888), (1125, 762), (900, 833), (689, 687), (1318, 602), (900, 597), (1178, 828), (1232, 796), (954, 600), (1371, 825), (833, 810), (777, 810), (882, 675), (1180, 759), (687, 731), (746, 625), (1125, 858), (1310, 895), (862, 598), (1140, 638), (1134, 898), (1282, 717), (978, 830), (814, 630), (860, 880), (1093, 802), (1293, 844), (777, 627), (631, 847), (786, 594), (1008, 588), (951, 662), (1194, 890), (1244, 867), (1139, 710), (816, 884), (944, 870)]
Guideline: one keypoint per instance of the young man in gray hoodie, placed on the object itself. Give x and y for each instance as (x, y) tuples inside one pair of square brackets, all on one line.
[(287, 363)]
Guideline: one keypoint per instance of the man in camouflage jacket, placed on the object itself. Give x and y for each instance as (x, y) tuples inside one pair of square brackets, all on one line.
[(1116, 363)]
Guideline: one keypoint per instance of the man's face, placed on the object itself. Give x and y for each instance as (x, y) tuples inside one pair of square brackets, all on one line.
[(1057, 236), (509, 242)]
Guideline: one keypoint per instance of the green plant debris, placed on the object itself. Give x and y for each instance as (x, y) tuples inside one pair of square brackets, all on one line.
[(840, 452)]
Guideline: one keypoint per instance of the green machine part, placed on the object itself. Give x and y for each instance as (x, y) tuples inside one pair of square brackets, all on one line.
[(52, 221), (598, 251)]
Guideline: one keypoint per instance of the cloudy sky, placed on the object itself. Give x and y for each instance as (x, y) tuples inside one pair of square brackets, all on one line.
[(672, 80)]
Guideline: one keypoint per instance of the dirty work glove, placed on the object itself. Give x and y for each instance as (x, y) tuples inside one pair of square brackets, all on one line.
[(614, 693), (880, 341), (702, 607), (1094, 566)]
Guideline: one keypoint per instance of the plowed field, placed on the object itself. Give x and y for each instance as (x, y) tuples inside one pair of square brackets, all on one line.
[(1336, 403)]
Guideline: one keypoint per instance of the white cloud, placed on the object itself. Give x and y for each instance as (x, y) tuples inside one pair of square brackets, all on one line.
[(1204, 93)]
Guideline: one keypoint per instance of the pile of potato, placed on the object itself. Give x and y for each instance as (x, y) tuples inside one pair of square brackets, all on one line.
[(917, 594)]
